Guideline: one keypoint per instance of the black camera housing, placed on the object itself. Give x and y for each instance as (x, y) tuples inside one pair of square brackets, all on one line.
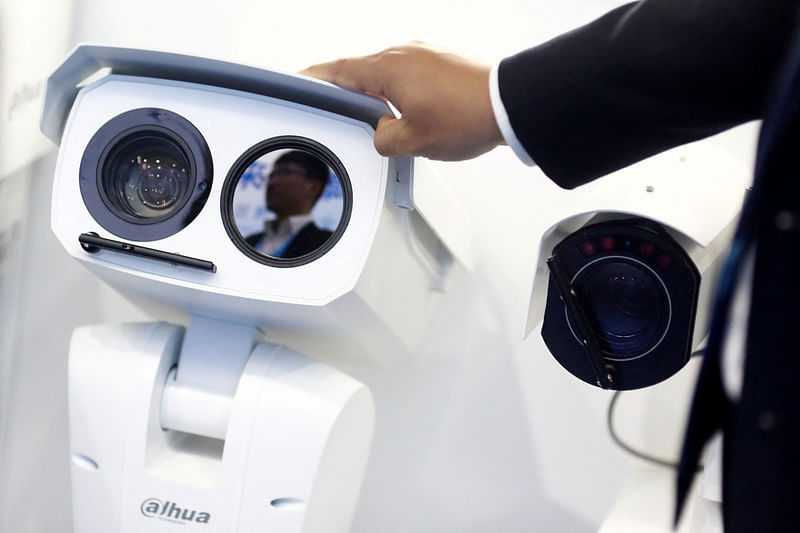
[(621, 304)]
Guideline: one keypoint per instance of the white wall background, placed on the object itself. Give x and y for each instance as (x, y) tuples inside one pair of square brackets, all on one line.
[(478, 430)]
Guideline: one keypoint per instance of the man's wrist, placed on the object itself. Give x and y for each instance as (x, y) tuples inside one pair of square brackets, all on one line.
[(503, 122)]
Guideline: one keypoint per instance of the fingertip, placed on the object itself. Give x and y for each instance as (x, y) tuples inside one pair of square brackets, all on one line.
[(308, 71), (354, 73), (319, 71)]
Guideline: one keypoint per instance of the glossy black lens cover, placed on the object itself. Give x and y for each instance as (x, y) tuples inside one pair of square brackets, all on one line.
[(638, 290)]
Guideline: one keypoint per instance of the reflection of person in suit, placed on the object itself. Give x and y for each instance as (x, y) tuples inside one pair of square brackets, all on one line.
[(293, 187), (645, 77)]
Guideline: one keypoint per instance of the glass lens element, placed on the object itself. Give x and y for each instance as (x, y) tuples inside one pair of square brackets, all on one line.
[(628, 304), (147, 176), (287, 204)]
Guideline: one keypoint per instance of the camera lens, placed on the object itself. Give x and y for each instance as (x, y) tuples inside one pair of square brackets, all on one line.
[(286, 201), (147, 176), (628, 303), (621, 302)]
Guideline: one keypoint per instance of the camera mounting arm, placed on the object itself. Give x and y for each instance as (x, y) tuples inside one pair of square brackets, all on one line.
[(603, 370), (209, 427)]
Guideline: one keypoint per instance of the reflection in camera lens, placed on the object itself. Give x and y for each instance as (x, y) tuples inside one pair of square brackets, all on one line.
[(159, 187), (147, 176), (628, 303), (287, 204)]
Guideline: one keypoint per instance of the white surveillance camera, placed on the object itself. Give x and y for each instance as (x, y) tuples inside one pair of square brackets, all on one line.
[(247, 198), (624, 281), (171, 167)]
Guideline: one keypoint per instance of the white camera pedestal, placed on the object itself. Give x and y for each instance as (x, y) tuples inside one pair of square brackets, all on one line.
[(208, 431)]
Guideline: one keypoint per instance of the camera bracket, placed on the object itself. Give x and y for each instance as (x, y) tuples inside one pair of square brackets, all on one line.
[(604, 371), (205, 426)]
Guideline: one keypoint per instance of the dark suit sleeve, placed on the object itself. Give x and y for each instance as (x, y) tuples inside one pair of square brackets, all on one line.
[(254, 239), (645, 77), (307, 240)]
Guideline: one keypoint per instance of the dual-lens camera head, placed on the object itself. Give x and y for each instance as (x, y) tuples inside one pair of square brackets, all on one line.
[(242, 193), (147, 173)]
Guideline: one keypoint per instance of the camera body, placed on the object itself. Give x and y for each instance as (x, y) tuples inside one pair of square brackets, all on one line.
[(624, 281), (248, 199), (171, 234)]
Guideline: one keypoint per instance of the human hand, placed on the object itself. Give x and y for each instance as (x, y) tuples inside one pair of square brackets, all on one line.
[(443, 99)]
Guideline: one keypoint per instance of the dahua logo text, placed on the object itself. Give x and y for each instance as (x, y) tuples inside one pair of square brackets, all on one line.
[(155, 508)]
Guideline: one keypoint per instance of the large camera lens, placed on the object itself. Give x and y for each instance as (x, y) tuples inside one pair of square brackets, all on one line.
[(286, 201), (628, 303), (146, 176)]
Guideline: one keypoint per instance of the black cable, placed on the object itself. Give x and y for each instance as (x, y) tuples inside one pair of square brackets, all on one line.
[(622, 444)]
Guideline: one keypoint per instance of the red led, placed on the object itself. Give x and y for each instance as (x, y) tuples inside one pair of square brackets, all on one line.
[(608, 243), (587, 248), (664, 261), (647, 249)]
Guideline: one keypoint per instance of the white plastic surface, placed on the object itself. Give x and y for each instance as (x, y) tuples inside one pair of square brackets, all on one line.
[(440, 208), (194, 409), (112, 373), (214, 353), (293, 458)]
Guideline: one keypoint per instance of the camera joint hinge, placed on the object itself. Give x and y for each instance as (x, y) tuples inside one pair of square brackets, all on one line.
[(198, 394)]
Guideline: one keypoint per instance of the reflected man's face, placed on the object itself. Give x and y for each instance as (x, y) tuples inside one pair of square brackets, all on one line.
[(290, 191)]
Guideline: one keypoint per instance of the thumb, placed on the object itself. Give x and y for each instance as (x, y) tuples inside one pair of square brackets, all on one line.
[(394, 137)]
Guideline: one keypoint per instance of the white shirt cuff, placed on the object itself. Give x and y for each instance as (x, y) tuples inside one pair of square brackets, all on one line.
[(501, 117)]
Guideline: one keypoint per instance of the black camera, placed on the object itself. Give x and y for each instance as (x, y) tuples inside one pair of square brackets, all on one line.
[(621, 304)]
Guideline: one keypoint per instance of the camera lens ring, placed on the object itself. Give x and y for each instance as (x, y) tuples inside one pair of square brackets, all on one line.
[(109, 186), (663, 326), (284, 142)]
